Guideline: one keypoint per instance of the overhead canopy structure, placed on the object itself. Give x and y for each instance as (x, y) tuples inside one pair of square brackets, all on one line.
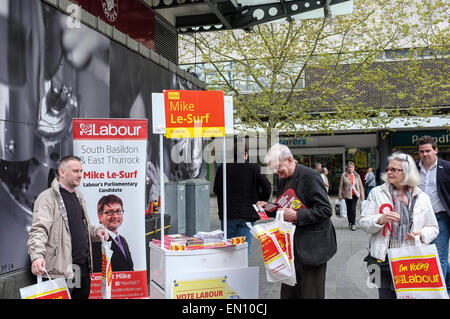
[(190, 16)]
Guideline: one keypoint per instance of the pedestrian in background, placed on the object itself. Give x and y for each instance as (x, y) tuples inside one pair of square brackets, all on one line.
[(245, 186), (351, 189), (314, 237), (324, 175), (318, 167), (411, 215), (369, 181), (435, 181)]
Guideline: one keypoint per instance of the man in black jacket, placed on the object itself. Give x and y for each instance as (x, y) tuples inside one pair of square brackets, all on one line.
[(315, 237), (435, 176), (245, 186)]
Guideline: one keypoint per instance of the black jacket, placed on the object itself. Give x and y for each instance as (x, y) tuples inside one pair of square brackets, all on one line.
[(118, 261), (315, 237), (245, 186)]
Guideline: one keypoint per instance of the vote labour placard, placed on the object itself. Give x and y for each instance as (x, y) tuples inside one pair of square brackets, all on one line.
[(194, 113), (113, 153), (200, 289)]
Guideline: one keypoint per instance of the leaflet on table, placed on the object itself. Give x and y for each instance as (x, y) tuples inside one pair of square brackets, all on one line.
[(201, 240)]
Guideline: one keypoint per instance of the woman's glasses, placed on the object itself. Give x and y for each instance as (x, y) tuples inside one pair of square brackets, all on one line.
[(393, 170)]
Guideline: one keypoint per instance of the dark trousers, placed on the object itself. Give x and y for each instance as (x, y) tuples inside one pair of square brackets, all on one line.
[(310, 282), (82, 292), (368, 189), (351, 209), (386, 288)]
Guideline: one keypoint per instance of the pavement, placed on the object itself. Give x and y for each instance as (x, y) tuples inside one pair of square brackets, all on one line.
[(346, 271)]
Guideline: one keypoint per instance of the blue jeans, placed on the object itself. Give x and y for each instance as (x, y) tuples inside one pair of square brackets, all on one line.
[(368, 189), (441, 243), (238, 228)]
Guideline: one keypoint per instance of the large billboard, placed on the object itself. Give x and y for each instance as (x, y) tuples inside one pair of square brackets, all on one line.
[(51, 72)]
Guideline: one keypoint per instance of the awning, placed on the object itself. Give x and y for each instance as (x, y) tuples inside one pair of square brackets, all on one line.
[(190, 16)]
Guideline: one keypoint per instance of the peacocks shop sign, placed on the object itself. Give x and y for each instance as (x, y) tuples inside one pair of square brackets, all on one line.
[(409, 139)]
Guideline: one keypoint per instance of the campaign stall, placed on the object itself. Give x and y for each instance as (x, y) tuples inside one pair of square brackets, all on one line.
[(197, 267)]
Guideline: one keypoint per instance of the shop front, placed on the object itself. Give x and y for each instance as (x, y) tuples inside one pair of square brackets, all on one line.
[(406, 141), (333, 152)]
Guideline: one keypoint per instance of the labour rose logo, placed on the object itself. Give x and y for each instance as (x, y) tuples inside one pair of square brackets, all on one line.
[(110, 9), (86, 129)]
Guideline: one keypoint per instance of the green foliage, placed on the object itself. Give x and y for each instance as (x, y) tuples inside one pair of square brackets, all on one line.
[(387, 59)]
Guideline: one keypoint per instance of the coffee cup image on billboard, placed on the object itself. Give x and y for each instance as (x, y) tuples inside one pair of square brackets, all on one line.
[(110, 214)]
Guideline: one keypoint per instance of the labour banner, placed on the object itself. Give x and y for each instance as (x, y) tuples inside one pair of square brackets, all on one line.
[(113, 154)]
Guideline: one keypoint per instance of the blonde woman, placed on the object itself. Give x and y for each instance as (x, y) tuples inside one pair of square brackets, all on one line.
[(351, 189)]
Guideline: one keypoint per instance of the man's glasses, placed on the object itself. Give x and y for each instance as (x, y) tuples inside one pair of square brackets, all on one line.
[(111, 212), (393, 170)]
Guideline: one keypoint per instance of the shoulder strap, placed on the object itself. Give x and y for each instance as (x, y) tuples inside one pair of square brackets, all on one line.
[(411, 208)]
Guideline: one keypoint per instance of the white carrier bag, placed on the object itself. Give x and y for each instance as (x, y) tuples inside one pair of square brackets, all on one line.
[(276, 239), (416, 272)]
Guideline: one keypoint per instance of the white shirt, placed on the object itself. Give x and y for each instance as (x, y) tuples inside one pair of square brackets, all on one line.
[(112, 234), (429, 185), (325, 180)]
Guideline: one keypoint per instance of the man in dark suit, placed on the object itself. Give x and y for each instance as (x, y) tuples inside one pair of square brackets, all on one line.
[(110, 215), (435, 176), (315, 237)]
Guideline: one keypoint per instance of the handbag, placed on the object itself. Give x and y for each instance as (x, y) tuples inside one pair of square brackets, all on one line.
[(363, 205), (416, 272), (337, 208), (50, 289), (340, 208)]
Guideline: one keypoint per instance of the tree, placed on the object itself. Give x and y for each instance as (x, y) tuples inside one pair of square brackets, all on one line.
[(388, 59)]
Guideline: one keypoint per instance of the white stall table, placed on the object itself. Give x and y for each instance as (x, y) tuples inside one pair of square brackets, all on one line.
[(168, 266)]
